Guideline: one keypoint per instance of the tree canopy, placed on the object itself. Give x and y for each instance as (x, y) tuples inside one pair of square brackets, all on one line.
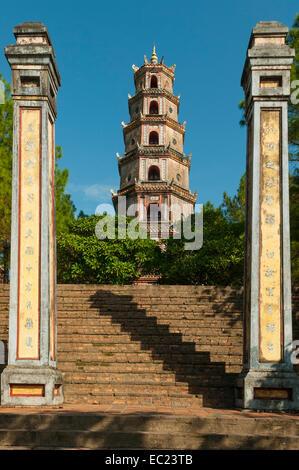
[(83, 258), (293, 109), (219, 261), (65, 208), (6, 129)]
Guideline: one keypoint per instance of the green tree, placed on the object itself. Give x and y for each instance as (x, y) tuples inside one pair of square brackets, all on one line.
[(293, 108), (241, 106), (82, 214), (6, 129), (234, 208), (83, 258), (293, 128), (294, 225), (65, 208), (219, 261)]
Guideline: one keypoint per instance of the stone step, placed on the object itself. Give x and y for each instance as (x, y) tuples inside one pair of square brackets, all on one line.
[(96, 343), (109, 333), (207, 318), (141, 313), (62, 440), (160, 330), (136, 368), (235, 338), (148, 290), (190, 319), (128, 388), (145, 398), (127, 295), (242, 423), (101, 298), (172, 341), (148, 395), (148, 379), (147, 430), (203, 357), (226, 325), (154, 347), (158, 306), (171, 315)]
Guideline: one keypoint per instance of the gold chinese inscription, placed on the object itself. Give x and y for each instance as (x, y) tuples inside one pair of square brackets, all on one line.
[(272, 393), (24, 390), (270, 233), (29, 234)]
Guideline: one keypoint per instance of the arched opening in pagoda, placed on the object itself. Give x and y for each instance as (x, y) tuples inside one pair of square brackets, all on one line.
[(154, 82), (154, 107), (154, 138), (153, 173), (154, 213)]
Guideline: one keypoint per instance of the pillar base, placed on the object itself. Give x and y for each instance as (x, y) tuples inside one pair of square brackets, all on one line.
[(268, 390), (31, 386)]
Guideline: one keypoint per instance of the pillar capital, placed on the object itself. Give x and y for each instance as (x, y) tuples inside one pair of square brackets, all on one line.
[(33, 64), (266, 73), (265, 32)]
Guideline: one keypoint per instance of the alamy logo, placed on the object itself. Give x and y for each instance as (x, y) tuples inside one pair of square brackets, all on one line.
[(2, 93), (152, 222), (295, 353), (294, 98)]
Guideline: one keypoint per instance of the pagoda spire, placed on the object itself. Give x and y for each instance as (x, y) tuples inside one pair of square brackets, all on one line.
[(154, 58)]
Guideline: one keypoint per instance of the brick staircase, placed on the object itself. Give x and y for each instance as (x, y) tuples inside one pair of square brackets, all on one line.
[(172, 346)]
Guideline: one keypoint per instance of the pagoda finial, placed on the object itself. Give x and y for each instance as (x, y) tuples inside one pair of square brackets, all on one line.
[(154, 58)]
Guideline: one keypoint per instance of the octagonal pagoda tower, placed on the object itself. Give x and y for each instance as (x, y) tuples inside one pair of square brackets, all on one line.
[(154, 171)]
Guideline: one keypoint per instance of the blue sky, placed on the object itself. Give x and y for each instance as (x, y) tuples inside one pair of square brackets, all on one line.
[(96, 44)]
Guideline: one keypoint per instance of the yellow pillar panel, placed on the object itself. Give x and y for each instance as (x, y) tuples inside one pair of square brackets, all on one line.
[(271, 340), (17, 390), (29, 234)]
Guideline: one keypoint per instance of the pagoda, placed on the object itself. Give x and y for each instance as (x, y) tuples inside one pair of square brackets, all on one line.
[(154, 171)]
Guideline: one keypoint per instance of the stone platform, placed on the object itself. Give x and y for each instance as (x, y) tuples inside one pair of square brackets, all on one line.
[(123, 427)]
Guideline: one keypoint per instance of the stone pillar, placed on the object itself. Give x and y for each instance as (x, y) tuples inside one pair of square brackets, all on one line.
[(31, 377), (268, 380)]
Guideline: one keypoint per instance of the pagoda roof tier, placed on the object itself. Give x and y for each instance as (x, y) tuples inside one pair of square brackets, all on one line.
[(151, 187), (155, 150), (155, 118), (155, 91), (155, 68)]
